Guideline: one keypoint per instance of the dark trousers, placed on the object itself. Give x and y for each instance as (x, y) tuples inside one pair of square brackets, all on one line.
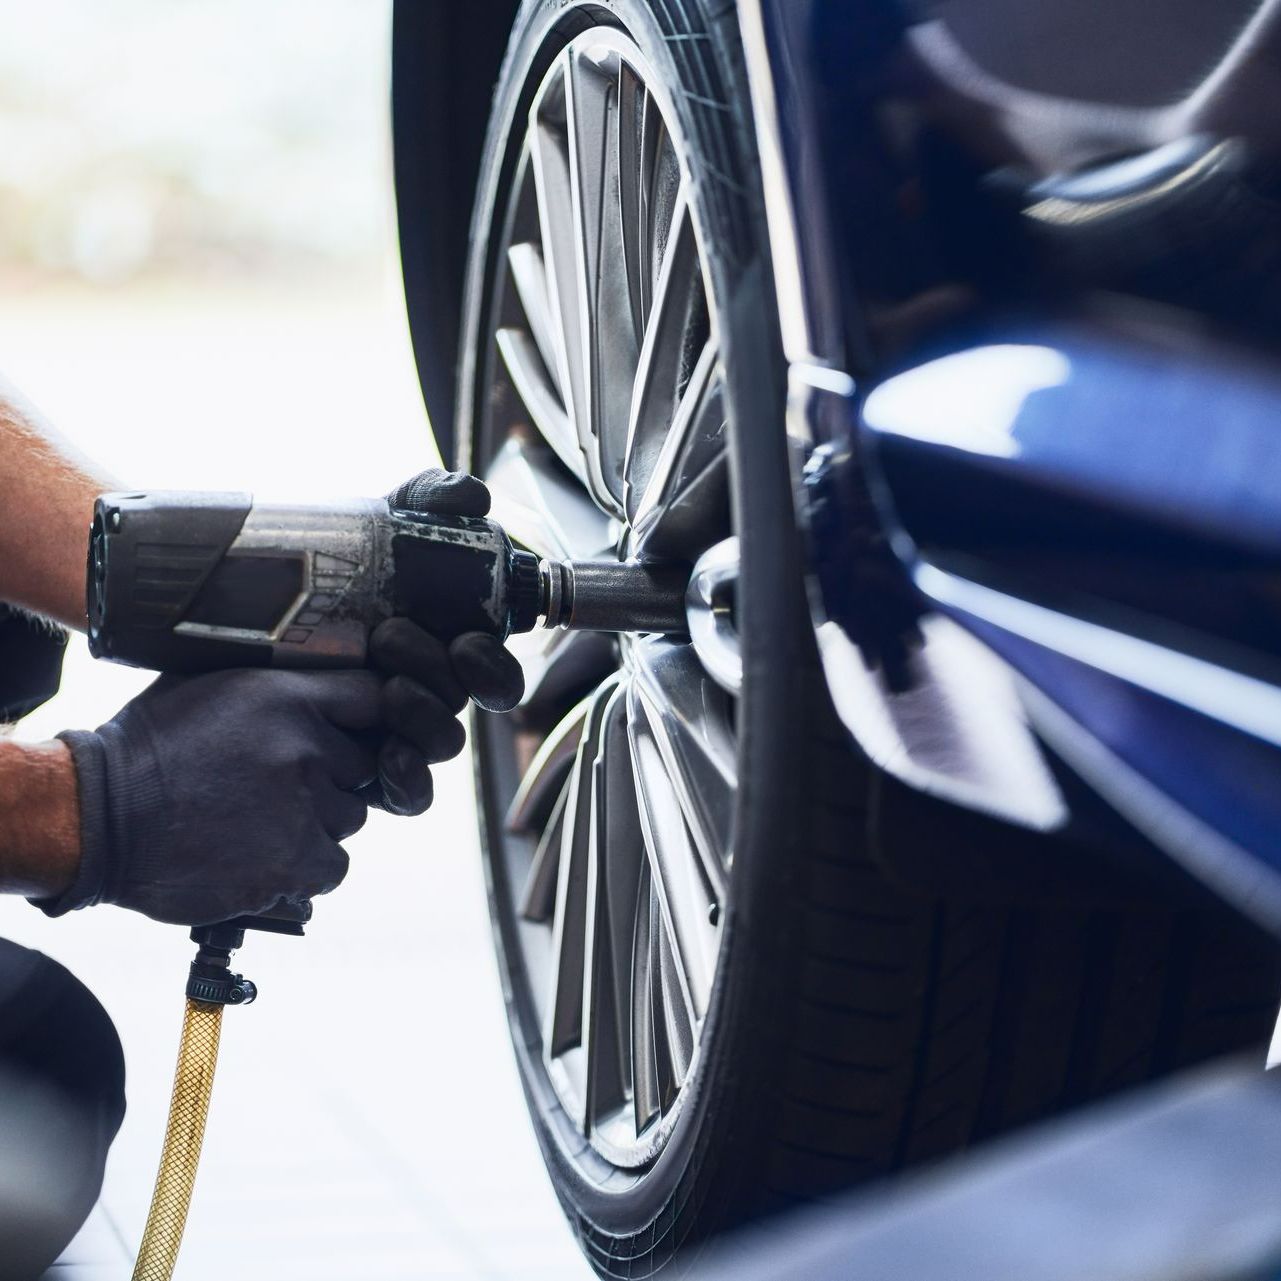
[(62, 1098)]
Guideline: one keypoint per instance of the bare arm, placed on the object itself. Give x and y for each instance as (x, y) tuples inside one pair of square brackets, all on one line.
[(39, 819), (46, 502)]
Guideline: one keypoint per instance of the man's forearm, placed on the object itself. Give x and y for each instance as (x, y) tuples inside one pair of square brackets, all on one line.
[(39, 819), (46, 503)]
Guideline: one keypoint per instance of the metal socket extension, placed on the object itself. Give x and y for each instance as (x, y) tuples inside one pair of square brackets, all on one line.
[(614, 596)]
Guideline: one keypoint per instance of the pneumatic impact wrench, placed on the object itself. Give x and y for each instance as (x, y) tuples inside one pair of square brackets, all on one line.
[(190, 582)]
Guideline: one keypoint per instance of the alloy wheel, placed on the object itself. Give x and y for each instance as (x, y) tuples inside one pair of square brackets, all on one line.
[(604, 434)]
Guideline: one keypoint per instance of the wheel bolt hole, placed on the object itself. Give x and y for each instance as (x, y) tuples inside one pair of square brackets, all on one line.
[(725, 604)]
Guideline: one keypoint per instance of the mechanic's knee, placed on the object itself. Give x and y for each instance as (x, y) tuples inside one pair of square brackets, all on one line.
[(62, 1099)]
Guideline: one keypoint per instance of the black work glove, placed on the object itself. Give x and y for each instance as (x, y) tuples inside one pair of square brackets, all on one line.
[(429, 680), (214, 796), (486, 672)]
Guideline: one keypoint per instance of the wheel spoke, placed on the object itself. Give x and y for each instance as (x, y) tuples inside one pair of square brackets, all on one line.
[(683, 889), (564, 1026), (632, 104), (549, 152), (646, 1090), (664, 975), (538, 898), (678, 1017), (684, 499), (660, 185), (529, 377), (541, 507), (546, 772), (662, 356), (529, 274), (609, 330), (689, 717), (613, 880)]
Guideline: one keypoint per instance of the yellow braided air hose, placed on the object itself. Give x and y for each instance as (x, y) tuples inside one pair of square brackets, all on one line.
[(192, 1086)]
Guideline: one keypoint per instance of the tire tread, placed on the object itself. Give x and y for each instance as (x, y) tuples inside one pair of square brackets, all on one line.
[(995, 1013)]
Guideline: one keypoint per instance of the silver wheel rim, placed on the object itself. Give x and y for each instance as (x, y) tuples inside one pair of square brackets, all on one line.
[(606, 436)]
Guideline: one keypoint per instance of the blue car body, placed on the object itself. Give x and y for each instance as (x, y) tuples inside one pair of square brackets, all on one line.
[(1028, 303)]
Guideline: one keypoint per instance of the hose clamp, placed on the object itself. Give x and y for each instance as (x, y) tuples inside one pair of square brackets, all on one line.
[(225, 988)]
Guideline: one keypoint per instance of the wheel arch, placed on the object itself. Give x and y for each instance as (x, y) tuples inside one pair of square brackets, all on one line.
[(943, 717), (445, 60)]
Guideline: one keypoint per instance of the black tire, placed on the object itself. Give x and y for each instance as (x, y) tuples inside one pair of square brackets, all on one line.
[(859, 1024)]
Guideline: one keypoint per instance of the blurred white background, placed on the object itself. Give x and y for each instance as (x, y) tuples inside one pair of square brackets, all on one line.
[(198, 283)]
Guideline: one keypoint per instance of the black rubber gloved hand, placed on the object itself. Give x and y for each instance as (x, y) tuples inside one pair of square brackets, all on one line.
[(428, 677), (222, 795), (213, 796), (489, 674)]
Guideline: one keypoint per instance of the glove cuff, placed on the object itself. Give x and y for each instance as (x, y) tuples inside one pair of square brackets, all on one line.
[(136, 832), (90, 759)]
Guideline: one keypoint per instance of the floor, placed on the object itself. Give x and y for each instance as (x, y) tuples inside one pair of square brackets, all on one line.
[(367, 1120)]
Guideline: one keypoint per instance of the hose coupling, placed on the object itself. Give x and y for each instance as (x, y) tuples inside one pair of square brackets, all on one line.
[(211, 978), (205, 984)]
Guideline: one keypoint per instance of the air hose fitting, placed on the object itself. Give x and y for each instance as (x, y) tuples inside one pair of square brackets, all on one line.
[(211, 985)]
